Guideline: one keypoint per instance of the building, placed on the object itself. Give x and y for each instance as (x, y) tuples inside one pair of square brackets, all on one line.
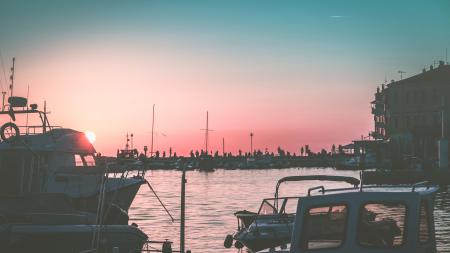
[(410, 112)]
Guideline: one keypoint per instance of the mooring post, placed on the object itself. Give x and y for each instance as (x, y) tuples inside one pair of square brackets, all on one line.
[(182, 218)]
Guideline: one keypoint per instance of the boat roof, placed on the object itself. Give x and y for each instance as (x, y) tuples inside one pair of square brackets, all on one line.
[(421, 188), (58, 139)]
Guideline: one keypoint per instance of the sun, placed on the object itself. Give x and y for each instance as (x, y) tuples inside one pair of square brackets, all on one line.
[(90, 136)]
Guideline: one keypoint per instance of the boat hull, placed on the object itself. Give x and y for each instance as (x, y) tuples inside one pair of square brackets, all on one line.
[(68, 238), (121, 196)]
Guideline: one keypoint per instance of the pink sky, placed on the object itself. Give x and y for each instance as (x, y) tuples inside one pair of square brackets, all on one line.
[(109, 90)]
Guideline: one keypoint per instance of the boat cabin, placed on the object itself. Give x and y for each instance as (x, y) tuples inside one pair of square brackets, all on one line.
[(397, 219), (46, 162)]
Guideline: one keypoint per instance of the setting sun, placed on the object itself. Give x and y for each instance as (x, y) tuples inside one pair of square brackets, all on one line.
[(90, 136)]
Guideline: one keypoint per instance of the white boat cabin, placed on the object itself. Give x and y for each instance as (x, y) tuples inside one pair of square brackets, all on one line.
[(397, 219)]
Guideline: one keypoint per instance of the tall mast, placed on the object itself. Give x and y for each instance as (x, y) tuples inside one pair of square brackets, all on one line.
[(206, 133), (11, 86), (153, 127)]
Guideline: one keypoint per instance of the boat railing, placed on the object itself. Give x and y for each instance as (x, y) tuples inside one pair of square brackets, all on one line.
[(316, 188), (420, 184)]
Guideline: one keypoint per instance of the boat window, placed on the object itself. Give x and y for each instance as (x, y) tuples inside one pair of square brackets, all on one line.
[(289, 206), (382, 225), (78, 161), (424, 225), (324, 227), (89, 160), (267, 209)]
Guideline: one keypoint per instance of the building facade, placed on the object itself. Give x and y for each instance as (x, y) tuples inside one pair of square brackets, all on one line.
[(413, 113)]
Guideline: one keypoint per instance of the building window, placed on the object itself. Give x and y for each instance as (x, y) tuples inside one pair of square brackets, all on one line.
[(382, 225), (407, 122), (324, 227)]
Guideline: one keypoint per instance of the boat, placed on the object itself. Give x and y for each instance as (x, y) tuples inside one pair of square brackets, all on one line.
[(206, 162), (377, 218), (49, 223), (127, 158), (272, 225), (50, 159)]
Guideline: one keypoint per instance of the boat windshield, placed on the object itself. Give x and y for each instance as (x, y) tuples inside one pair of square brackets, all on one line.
[(286, 205), (267, 208), (84, 160)]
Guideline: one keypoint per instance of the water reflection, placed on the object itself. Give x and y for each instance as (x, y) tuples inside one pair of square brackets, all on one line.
[(212, 198)]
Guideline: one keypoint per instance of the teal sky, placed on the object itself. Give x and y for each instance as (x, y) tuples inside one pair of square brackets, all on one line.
[(300, 63)]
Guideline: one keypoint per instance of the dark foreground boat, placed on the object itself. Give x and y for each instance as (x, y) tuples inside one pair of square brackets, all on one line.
[(49, 223), (272, 225), (384, 219)]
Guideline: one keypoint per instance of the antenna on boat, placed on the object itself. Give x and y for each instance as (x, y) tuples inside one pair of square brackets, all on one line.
[(26, 124), (153, 127), (44, 130), (126, 145), (11, 86), (132, 140)]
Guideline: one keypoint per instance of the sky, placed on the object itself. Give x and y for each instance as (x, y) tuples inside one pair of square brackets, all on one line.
[(291, 72)]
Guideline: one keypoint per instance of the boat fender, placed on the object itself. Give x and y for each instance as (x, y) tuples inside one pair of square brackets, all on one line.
[(228, 241), (166, 247), (238, 245)]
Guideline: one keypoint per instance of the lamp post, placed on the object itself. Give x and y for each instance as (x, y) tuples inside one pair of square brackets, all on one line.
[(251, 143)]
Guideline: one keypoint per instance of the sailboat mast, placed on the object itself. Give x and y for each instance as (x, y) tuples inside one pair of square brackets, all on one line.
[(153, 127), (206, 132)]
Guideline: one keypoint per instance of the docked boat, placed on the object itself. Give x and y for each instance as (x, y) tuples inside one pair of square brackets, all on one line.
[(49, 159), (272, 225), (381, 218), (49, 223)]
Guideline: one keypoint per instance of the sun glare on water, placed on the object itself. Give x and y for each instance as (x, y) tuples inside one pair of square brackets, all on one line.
[(90, 136)]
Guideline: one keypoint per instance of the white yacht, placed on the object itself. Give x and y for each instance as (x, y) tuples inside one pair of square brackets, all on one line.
[(48, 159)]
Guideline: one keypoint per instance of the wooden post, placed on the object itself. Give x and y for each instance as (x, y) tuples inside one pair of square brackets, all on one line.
[(183, 205)]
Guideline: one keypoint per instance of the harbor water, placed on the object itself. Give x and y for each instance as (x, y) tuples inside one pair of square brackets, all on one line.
[(213, 197)]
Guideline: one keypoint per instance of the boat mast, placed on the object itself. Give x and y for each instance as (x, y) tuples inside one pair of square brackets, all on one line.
[(153, 127), (206, 133)]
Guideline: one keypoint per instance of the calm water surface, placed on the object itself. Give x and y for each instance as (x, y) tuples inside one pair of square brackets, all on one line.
[(212, 198)]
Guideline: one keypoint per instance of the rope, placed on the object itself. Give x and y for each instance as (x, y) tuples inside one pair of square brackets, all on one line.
[(156, 195)]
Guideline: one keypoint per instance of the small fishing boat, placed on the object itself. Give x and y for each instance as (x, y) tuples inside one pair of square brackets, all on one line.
[(376, 218), (272, 225)]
